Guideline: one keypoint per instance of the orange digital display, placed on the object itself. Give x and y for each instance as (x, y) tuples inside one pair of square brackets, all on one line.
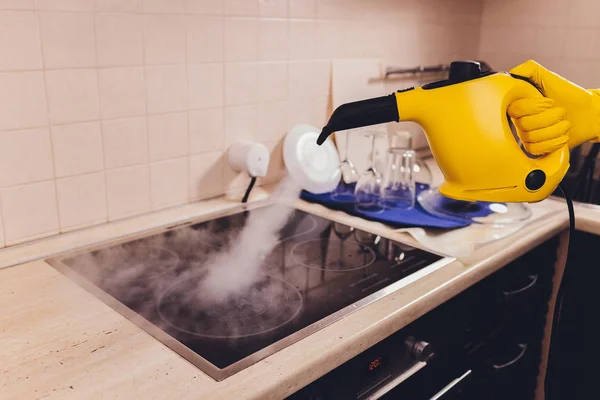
[(374, 364)]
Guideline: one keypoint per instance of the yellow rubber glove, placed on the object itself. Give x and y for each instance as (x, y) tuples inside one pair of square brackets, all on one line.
[(569, 110), (540, 125)]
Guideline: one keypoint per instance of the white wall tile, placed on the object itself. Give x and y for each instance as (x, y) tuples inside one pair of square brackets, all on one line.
[(81, 201), (207, 132), (332, 39), (300, 111), (17, 5), (241, 123), (273, 81), (169, 183), (241, 7), (241, 83), (303, 8), (322, 78), (25, 157), (22, 100), (128, 191), (29, 212), (77, 148), (583, 13), (124, 142), (240, 39), (67, 39), (273, 40), (164, 39), (122, 92), (321, 113), (163, 6), (302, 39), (273, 8), (167, 136), (205, 86), (206, 175), (347, 10), (204, 39), (552, 13), (509, 39), (72, 95), (117, 5), (301, 80), (65, 5), (272, 121), (580, 43), (119, 40), (209, 7), (19, 41), (550, 42), (165, 88)]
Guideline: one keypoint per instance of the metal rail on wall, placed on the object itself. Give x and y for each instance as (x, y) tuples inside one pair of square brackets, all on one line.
[(416, 70), (396, 72)]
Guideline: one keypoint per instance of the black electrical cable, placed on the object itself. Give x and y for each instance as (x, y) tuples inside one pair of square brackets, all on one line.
[(554, 338), (250, 186)]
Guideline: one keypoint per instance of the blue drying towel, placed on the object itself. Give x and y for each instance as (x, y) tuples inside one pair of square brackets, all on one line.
[(396, 218)]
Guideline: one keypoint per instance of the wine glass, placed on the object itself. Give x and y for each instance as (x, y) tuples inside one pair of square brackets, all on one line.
[(344, 192), (368, 187), (398, 190), (403, 140)]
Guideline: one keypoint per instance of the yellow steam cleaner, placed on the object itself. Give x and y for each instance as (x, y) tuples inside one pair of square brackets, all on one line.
[(471, 136)]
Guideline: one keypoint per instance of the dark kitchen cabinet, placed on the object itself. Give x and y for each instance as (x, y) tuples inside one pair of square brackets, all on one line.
[(569, 366), (487, 342)]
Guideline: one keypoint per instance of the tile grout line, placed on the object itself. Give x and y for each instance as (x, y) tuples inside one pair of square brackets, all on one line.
[(115, 66), (224, 138), (119, 118), (100, 116), (187, 113), (48, 125), (146, 117)]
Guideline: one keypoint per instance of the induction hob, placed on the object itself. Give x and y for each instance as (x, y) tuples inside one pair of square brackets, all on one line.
[(318, 272)]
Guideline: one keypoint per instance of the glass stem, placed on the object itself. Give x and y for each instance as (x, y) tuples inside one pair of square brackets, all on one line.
[(347, 145), (373, 152)]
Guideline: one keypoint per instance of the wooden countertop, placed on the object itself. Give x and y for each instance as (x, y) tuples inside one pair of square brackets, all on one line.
[(59, 341)]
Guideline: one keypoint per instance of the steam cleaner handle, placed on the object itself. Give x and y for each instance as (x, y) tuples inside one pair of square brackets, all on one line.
[(579, 107)]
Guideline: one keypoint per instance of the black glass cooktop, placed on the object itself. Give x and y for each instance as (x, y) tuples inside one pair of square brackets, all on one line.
[(317, 272)]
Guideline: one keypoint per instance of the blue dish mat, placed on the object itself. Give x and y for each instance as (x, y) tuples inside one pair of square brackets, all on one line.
[(396, 218)]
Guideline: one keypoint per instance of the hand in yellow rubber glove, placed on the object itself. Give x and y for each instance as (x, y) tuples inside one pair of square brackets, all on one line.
[(570, 113), (541, 126)]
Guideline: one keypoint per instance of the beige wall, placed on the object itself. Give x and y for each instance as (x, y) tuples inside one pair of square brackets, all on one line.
[(111, 108), (563, 35)]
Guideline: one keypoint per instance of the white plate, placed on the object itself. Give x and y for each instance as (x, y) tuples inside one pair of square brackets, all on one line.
[(315, 168)]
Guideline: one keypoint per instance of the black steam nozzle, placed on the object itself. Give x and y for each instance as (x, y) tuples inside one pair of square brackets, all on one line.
[(361, 113)]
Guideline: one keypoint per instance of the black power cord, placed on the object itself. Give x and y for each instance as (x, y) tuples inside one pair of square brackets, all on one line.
[(250, 186), (552, 393)]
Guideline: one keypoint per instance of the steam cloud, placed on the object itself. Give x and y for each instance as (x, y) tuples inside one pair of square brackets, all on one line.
[(220, 268), (236, 270)]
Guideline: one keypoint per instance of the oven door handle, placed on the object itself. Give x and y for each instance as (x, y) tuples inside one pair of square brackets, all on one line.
[(379, 392), (523, 347), (448, 388), (532, 278)]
